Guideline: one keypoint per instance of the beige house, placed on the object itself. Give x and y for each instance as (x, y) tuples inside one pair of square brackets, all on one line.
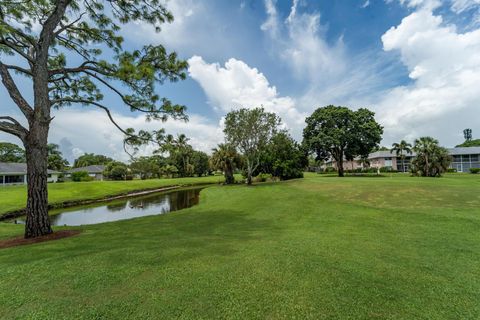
[(462, 160)]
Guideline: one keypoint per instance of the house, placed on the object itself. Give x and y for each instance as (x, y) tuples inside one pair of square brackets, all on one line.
[(462, 160), (95, 171), (16, 173)]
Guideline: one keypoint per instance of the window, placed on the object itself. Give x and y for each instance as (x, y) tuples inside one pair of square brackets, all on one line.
[(466, 158), (13, 179), (388, 162), (474, 157), (457, 158)]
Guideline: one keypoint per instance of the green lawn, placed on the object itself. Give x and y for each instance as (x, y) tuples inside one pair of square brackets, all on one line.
[(14, 197), (318, 248)]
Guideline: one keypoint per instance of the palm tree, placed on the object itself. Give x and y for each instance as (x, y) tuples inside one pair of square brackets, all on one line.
[(401, 149), (431, 159), (425, 146), (225, 158)]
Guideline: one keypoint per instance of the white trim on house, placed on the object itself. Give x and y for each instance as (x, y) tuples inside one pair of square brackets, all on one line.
[(16, 174)]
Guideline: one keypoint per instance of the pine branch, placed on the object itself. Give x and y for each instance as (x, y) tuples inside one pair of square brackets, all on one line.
[(14, 93)]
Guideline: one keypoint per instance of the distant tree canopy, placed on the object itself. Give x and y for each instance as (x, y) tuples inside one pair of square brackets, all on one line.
[(10, 152), (199, 160), (467, 134), (115, 170), (55, 158), (90, 159), (283, 157), (431, 160), (341, 133), (471, 143), (250, 131), (147, 167)]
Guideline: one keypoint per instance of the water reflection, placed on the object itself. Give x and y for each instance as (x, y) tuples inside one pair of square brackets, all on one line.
[(153, 204)]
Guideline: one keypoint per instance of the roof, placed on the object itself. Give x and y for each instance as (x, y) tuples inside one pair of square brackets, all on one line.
[(16, 168), (464, 150), (89, 169)]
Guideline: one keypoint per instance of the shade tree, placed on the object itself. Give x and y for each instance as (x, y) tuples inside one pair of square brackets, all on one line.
[(341, 134), (10, 152), (249, 131)]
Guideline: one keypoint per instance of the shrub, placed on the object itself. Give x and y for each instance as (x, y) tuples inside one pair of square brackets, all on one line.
[(117, 172), (81, 176), (451, 170), (330, 169), (475, 170), (388, 169), (262, 177)]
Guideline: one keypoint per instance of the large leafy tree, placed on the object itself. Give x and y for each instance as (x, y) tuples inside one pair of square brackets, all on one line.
[(341, 133), (200, 163), (55, 158), (401, 150), (431, 159), (179, 151), (283, 157), (225, 158), (91, 159), (10, 152), (250, 130), (71, 51), (147, 167)]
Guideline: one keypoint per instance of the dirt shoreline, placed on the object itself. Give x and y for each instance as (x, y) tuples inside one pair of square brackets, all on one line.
[(73, 203), (21, 241)]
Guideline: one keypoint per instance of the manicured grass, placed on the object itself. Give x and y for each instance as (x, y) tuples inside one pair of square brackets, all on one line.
[(14, 197), (318, 248)]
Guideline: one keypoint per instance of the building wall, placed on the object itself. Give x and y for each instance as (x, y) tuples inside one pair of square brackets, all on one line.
[(463, 163), (374, 163), (52, 178), (13, 179)]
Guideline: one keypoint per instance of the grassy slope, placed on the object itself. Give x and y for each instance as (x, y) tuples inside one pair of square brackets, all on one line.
[(14, 197), (318, 248)]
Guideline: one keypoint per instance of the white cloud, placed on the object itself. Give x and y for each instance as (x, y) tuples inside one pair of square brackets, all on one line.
[(238, 85), (444, 66), (80, 130), (271, 24), (299, 41), (366, 4), (459, 6)]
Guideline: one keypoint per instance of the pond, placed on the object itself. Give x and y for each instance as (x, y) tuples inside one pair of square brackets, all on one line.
[(128, 208)]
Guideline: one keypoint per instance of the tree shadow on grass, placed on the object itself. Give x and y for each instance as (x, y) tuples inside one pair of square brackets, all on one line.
[(154, 239)]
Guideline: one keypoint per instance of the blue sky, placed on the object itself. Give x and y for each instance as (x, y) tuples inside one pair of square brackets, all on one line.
[(414, 62)]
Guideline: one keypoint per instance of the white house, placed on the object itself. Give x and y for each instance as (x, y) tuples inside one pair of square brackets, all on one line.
[(16, 173)]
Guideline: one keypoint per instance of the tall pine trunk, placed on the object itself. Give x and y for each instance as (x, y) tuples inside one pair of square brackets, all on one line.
[(37, 219)]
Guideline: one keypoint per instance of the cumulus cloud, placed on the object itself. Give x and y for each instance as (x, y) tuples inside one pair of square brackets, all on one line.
[(444, 66), (237, 85)]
